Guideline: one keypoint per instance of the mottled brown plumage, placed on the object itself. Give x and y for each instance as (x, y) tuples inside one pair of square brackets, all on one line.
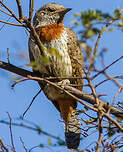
[(64, 60)]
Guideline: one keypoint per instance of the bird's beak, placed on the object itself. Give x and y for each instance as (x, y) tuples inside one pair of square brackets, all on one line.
[(63, 11)]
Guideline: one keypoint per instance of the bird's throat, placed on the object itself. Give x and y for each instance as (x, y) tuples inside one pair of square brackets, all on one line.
[(50, 32)]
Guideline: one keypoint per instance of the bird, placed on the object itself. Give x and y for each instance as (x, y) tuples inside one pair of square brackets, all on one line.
[(62, 61)]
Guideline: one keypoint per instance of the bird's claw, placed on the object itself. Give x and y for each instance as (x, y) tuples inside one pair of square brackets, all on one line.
[(63, 83)]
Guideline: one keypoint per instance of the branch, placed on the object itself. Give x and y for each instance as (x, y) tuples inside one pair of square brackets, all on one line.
[(31, 8), (26, 23), (13, 15), (105, 68), (3, 147), (31, 103), (94, 53), (15, 69), (10, 126), (96, 45), (114, 121), (100, 133), (23, 145), (35, 37), (36, 128), (90, 99), (13, 24), (116, 77), (79, 94), (19, 9), (5, 12)]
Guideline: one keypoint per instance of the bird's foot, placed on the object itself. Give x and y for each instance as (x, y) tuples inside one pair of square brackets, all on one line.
[(63, 83)]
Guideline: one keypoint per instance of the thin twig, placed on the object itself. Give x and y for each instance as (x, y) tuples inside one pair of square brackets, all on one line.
[(94, 53), (91, 100), (18, 81), (23, 145), (4, 24), (93, 90), (31, 103), (114, 121), (96, 45), (19, 9), (119, 90), (36, 37), (29, 26), (10, 126), (98, 149), (113, 80), (31, 8), (13, 24), (116, 77), (8, 55), (106, 67), (3, 147), (5, 12), (109, 77), (10, 11), (36, 128)]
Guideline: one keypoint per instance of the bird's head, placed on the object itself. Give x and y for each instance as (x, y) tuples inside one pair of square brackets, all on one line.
[(49, 14)]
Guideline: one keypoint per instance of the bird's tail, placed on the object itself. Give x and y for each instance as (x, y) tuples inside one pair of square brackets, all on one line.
[(72, 125), (72, 131)]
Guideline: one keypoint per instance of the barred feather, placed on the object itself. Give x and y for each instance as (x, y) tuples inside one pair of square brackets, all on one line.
[(72, 131)]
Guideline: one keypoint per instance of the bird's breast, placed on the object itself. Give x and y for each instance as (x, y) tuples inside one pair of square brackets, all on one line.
[(59, 63), (50, 32), (59, 56)]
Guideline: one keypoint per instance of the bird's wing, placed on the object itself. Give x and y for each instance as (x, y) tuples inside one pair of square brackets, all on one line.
[(31, 46), (42, 85), (76, 57)]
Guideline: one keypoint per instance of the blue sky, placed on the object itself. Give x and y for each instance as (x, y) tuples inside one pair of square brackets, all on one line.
[(42, 111)]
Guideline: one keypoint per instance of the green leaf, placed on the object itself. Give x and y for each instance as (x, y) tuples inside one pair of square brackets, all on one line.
[(41, 145), (49, 142), (91, 32), (54, 52), (61, 143), (44, 59), (34, 65), (117, 13), (39, 130), (119, 119), (76, 14)]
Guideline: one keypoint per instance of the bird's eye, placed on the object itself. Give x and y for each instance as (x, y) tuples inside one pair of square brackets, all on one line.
[(42, 13)]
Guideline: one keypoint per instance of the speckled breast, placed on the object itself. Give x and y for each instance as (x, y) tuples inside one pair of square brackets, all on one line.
[(59, 57), (58, 61)]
